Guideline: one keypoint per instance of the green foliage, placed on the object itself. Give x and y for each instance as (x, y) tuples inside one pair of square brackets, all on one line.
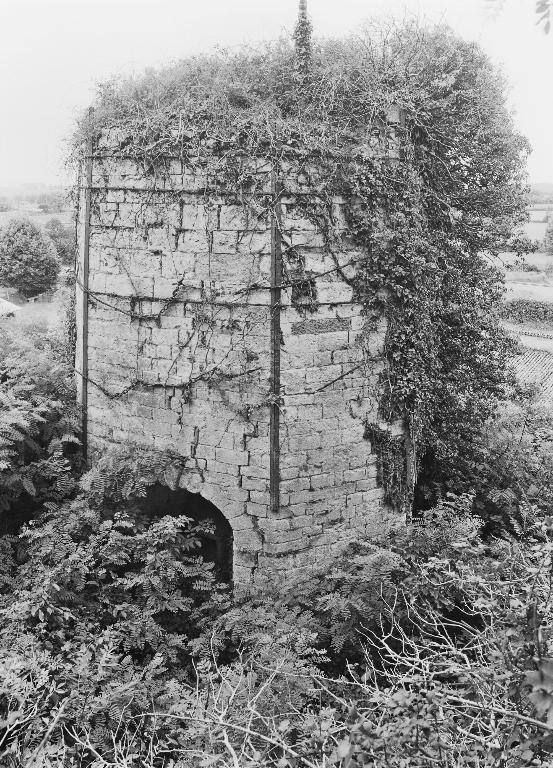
[(116, 641), (67, 295), (515, 473), (108, 598), (448, 672), (548, 237), (450, 639), (28, 259), (392, 455), (424, 227), (51, 202), (64, 239), (39, 448), (526, 311)]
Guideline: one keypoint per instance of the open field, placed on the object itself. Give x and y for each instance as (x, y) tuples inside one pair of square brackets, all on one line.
[(38, 217), (33, 313), (535, 229)]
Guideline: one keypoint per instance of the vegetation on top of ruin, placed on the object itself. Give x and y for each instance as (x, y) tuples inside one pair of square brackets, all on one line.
[(430, 647), (424, 225)]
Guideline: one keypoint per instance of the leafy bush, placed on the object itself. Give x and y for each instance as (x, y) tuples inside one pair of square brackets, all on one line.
[(40, 456), (548, 237), (516, 472), (28, 259), (452, 667), (108, 599), (456, 674), (524, 311), (64, 239)]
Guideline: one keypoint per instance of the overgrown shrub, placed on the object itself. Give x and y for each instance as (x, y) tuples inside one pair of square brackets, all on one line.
[(40, 455), (548, 237), (515, 473), (452, 670), (523, 311), (64, 239), (107, 599), (28, 258)]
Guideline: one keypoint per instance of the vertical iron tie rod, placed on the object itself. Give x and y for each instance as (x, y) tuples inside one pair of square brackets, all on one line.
[(85, 288), (276, 281)]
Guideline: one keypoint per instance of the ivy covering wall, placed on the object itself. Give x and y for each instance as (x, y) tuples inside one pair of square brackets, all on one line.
[(410, 128)]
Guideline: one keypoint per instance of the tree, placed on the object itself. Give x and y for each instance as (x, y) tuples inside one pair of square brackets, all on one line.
[(51, 202), (548, 237), (63, 238), (28, 258)]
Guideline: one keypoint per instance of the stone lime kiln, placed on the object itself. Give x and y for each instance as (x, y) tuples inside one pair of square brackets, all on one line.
[(218, 323)]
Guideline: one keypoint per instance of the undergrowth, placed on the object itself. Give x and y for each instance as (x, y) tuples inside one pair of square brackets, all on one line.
[(431, 646)]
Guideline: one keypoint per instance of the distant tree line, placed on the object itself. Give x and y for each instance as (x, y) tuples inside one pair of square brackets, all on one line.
[(50, 201)]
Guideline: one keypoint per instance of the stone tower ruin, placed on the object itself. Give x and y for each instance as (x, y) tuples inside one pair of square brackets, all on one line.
[(232, 342)]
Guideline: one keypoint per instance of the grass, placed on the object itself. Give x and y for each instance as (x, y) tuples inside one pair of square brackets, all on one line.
[(44, 314), (38, 217)]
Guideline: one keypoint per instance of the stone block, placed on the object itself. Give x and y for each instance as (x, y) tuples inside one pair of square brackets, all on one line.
[(326, 480), (224, 242), (232, 457), (254, 242), (255, 484), (326, 469), (257, 510)]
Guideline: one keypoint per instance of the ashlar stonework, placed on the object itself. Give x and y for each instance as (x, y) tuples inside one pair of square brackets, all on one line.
[(259, 375)]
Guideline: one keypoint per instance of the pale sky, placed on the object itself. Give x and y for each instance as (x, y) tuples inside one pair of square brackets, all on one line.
[(53, 52)]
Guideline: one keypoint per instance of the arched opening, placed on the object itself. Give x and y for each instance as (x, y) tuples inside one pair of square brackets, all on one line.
[(216, 547)]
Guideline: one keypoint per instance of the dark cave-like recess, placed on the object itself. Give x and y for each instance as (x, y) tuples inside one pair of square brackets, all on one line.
[(216, 548)]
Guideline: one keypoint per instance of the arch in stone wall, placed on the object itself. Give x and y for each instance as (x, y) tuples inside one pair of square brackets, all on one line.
[(216, 547)]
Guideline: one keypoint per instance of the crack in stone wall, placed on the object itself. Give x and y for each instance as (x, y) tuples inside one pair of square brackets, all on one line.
[(179, 360)]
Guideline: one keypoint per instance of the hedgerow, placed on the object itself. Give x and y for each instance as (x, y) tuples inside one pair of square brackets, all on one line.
[(528, 311)]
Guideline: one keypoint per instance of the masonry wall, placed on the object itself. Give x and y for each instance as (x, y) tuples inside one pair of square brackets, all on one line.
[(178, 347)]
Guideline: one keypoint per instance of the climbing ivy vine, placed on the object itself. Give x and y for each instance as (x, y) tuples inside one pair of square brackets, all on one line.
[(408, 127)]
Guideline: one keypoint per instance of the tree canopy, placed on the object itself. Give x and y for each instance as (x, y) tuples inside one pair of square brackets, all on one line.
[(548, 237), (28, 258), (63, 238)]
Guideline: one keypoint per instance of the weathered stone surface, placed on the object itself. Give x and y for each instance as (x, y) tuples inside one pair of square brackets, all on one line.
[(178, 348)]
